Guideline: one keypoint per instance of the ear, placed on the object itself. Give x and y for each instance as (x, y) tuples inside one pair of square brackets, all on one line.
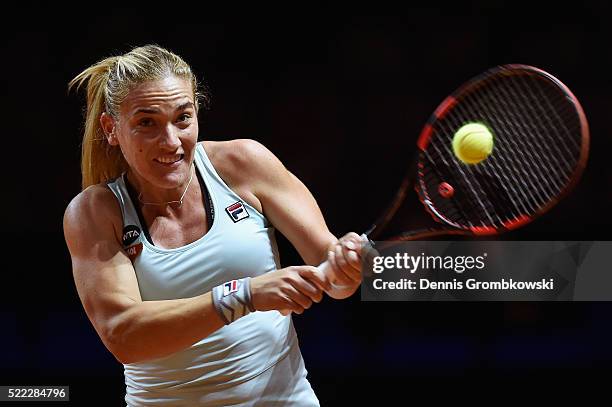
[(108, 126)]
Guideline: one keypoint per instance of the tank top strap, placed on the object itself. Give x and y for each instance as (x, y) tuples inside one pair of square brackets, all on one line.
[(132, 233)]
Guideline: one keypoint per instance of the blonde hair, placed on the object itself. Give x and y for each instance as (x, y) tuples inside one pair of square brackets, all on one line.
[(108, 83)]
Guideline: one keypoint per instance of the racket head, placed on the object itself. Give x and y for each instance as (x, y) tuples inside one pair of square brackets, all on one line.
[(541, 144)]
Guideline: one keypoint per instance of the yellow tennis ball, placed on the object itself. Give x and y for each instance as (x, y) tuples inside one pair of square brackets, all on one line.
[(472, 143)]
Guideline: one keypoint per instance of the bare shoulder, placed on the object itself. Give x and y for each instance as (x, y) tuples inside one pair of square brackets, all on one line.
[(93, 210), (239, 152), (96, 198), (243, 160)]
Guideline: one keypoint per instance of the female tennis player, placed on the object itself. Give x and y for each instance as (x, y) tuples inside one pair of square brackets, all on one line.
[(173, 248)]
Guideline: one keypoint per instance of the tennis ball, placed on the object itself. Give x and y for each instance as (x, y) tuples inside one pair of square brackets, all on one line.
[(472, 143)]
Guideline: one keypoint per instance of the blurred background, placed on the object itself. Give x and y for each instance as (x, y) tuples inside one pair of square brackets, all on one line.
[(341, 102)]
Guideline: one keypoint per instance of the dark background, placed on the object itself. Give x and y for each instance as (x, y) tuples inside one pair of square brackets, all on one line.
[(340, 101)]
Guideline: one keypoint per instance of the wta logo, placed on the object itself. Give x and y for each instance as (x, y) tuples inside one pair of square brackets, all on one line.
[(237, 211), (130, 234)]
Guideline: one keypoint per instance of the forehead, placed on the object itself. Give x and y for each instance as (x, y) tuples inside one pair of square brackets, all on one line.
[(168, 92)]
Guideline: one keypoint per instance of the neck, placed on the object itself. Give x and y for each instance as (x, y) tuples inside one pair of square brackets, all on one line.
[(175, 202)]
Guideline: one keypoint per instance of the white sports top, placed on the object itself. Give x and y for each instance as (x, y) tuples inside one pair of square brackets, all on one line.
[(239, 243)]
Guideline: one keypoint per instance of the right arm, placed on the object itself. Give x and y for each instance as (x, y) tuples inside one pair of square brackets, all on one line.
[(134, 330)]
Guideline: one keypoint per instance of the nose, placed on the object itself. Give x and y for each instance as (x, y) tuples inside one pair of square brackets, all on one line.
[(170, 138)]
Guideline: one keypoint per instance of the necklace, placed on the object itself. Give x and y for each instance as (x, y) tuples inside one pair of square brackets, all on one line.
[(179, 202)]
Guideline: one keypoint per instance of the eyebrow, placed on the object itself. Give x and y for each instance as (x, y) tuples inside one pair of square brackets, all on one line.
[(185, 105), (149, 110)]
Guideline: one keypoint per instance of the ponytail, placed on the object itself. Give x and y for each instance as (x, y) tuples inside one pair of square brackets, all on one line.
[(99, 160)]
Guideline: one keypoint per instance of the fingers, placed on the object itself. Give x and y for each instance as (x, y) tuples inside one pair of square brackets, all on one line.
[(344, 273), (286, 289), (296, 301), (352, 241), (352, 236), (306, 285), (345, 259), (339, 257), (302, 283), (353, 244), (351, 254), (290, 306), (316, 277)]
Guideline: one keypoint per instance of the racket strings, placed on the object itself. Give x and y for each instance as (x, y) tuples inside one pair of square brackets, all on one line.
[(521, 160), (488, 195), (515, 157), (562, 161), (482, 106), (535, 154), (456, 209), (545, 169), (492, 194), (499, 200), (543, 135), (492, 169), (469, 184), (563, 113)]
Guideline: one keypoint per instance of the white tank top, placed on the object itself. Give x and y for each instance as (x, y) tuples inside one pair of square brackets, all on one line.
[(239, 243)]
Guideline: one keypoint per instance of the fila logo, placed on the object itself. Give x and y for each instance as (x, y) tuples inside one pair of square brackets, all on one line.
[(130, 234), (230, 287), (237, 211)]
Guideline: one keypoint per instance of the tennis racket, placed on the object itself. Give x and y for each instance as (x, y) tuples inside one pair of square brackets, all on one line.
[(541, 145)]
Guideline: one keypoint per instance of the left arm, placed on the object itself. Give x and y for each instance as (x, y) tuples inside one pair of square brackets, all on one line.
[(292, 209)]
